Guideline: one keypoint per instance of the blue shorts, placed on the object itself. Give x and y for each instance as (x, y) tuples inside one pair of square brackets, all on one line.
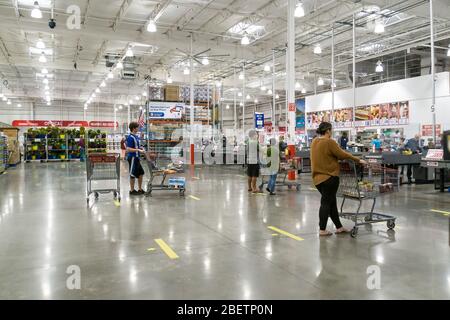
[(136, 169)]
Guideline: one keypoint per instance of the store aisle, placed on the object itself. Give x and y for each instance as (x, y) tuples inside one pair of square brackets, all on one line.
[(221, 237)]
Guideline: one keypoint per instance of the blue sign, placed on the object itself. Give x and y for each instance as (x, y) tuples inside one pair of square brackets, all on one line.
[(156, 114), (259, 121), (300, 113)]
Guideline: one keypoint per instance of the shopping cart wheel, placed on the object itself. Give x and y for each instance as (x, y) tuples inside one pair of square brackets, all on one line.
[(87, 200), (182, 193), (96, 195), (298, 187), (354, 232), (115, 195), (289, 187), (391, 224)]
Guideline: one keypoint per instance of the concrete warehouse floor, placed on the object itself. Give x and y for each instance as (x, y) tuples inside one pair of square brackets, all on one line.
[(221, 237)]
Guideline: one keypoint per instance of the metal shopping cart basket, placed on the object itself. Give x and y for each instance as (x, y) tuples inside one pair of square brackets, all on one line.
[(286, 166), (361, 183), (164, 169), (103, 167)]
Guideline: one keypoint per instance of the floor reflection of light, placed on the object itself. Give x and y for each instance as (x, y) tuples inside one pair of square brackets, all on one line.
[(247, 292), (133, 275), (46, 290), (219, 226), (121, 255), (48, 251), (99, 218), (105, 228), (171, 234), (265, 220), (242, 237), (207, 263), (379, 258), (297, 225)]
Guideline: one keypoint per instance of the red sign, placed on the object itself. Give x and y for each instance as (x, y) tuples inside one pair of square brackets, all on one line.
[(291, 107), (49, 123), (103, 124), (427, 130)]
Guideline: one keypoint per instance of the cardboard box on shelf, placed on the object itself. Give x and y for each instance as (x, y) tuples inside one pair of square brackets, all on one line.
[(172, 93)]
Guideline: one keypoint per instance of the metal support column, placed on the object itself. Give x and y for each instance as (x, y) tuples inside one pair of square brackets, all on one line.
[(332, 75), (273, 91), (433, 73), (354, 69), (191, 102)]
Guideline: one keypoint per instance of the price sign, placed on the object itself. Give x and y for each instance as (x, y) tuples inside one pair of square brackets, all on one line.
[(291, 107)]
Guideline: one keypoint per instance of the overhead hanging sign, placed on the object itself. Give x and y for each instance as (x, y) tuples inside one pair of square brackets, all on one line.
[(49, 123), (259, 120), (165, 110)]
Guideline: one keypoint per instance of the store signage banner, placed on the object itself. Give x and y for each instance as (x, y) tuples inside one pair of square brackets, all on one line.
[(165, 110), (300, 114), (49, 123), (259, 121), (427, 130), (103, 124), (396, 113)]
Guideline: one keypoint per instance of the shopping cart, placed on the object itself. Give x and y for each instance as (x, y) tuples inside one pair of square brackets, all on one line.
[(163, 167), (286, 166), (103, 167), (367, 182)]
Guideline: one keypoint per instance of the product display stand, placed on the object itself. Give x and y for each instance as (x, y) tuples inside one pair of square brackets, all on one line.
[(3, 154)]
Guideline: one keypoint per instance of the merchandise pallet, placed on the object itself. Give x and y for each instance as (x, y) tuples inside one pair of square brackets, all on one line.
[(3, 154)]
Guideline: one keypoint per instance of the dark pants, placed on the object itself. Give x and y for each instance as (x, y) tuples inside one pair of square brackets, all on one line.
[(328, 203), (408, 171)]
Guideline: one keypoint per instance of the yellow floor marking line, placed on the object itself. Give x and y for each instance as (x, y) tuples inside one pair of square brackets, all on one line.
[(275, 234), (195, 198), (445, 213), (195, 178), (151, 249), (167, 250), (117, 203), (287, 234)]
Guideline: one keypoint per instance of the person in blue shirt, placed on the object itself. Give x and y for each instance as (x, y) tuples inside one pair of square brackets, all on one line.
[(376, 142), (343, 141), (133, 150)]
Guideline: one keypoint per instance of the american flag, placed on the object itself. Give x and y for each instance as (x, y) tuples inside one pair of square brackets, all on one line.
[(141, 120)]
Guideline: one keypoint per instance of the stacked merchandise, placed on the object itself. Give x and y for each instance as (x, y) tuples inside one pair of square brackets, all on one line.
[(201, 113), (162, 138), (113, 143), (96, 142), (200, 93), (3, 154), (52, 144)]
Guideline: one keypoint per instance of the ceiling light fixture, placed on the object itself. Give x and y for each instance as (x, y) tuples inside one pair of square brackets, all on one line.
[(299, 10), (9, 102), (169, 79), (379, 27), (267, 68), (97, 90), (110, 75), (379, 68), (227, 107), (144, 94), (19, 105), (4, 98), (42, 58), (119, 65), (248, 97), (317, 49), (103, 84), (239, 94), (93, 95), (448, 51), (277, 97), (263, 88), (136, 98), (256, 100), (40, 44), (205, 61), (245, 40), (45, 81), (49, 103), (269, 91), (218, 83), (44, 71), (47, 88), (36, 13), (120, 107), (303, 91), (151, 26), (320, 82), (241, 76), (297, 85), (186, 71)]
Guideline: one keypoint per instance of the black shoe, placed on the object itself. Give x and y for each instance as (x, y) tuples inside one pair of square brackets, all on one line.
[(134, 193), (273, 194), (268, 190), (141, 192)]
